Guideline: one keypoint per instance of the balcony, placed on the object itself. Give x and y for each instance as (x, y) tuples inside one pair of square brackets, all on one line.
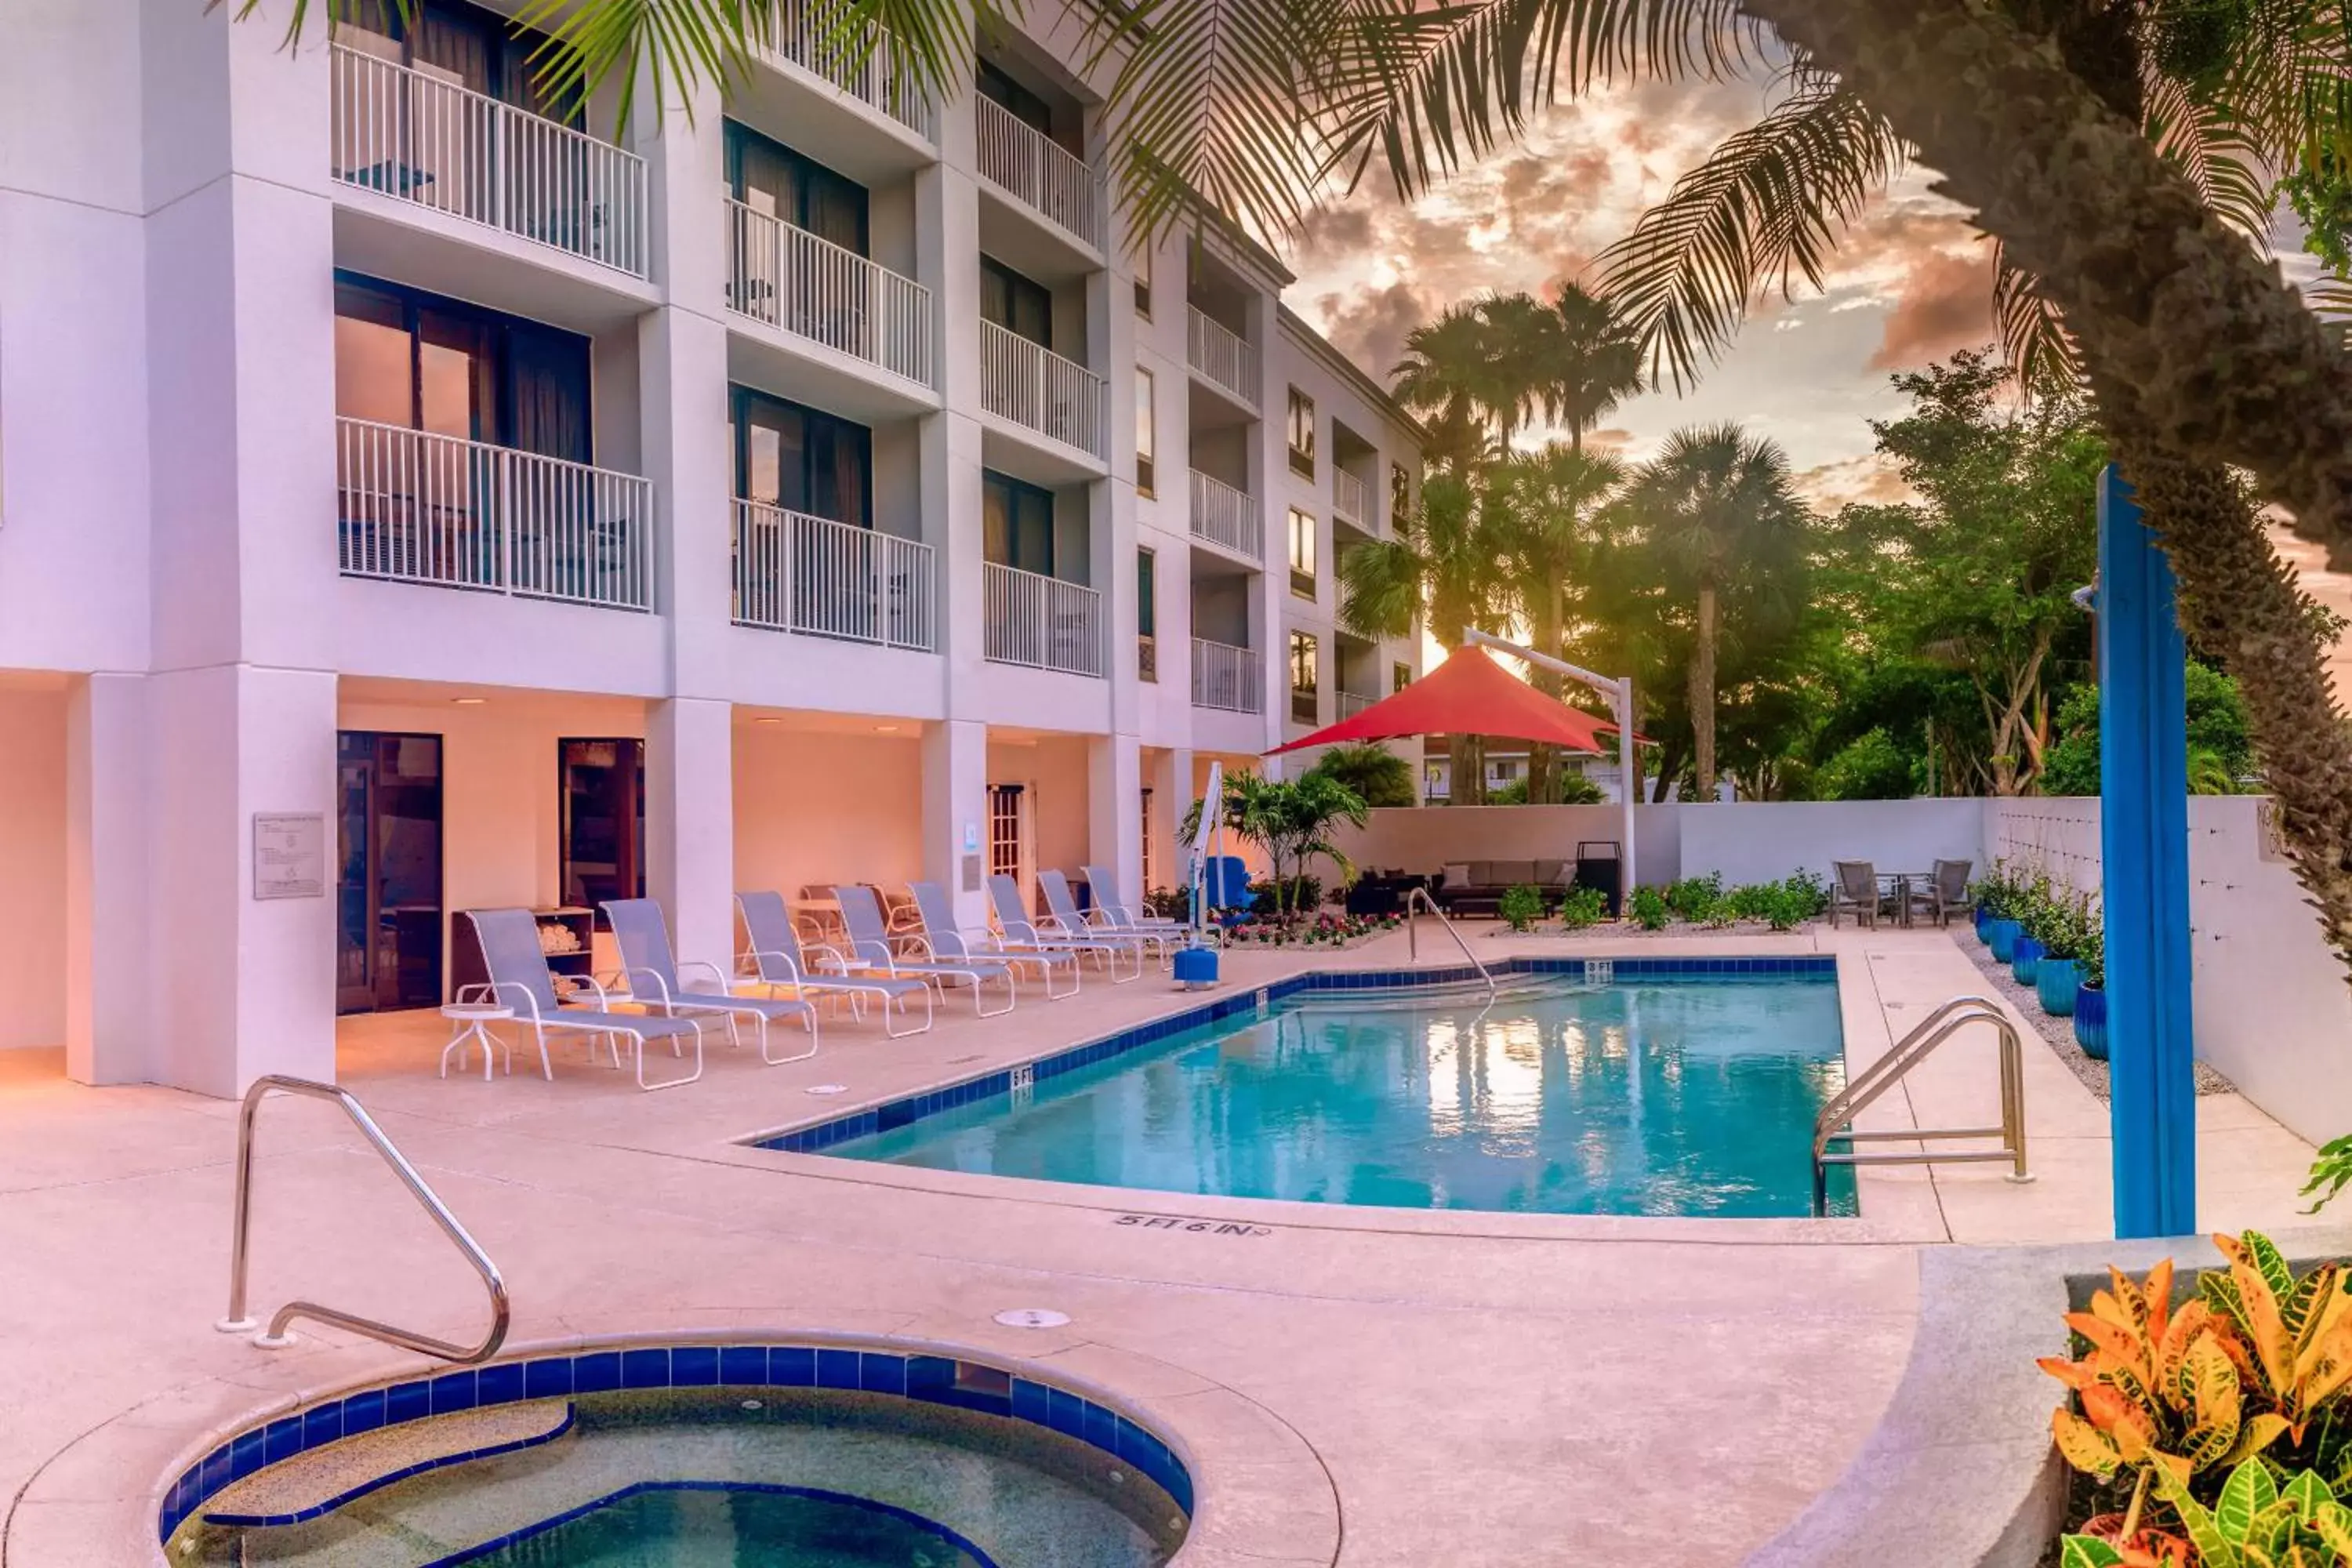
[(1041, 391), (1041, 622), (415, 136), (1039, 173), (1226, 358), (1229, 679), (801, 35), (1227, 518), (1351, 501), (788, 278), (1351, 703), (419, 508), (794, 573)]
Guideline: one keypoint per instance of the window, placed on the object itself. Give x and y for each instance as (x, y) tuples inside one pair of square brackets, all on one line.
[(482, 50), (1143, 282), (1005, 830), (1020, 305), (1505, 771), (1400, 494), (797, 458), (1016, 523), (416, 360), (1024, 105), (1146, 441), (601, 791), (1150, 860), (1399, 677), (1302, 553), (777, 181), (1302, 433), (1302, 677), (1146, 617)]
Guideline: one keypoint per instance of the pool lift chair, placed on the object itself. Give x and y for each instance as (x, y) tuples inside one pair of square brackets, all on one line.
[(1209, 875)]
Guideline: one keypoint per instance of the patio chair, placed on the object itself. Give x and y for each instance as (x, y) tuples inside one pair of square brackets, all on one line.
[(651, 968), (1068, 919), (869, 939), (1121, 914), (778, 958), (946, 942), (519, 980), (1017, 932), (1945, 893), (1853, 886)]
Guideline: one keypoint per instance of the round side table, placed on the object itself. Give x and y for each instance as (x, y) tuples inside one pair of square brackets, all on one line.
[(473, 1020)]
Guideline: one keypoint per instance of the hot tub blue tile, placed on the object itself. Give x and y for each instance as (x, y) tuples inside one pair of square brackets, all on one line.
[(1067, 1413), (743, 1364), (791, 1366), (246, 1454), (547, 1378), (1031, 1402), (930, 1378), (1101, 1427), (501, 1385), (213, 1472), (645, 1369), (283, 1439), (454, 1391), (407, 1402), (599, 1372), (322, 1425), (882, 1373), (836, 1369), (1129, 1443), (694, 1366)]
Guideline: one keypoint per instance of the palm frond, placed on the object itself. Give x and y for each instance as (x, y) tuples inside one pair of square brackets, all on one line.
[(1766, 207), (2214, 152), (2033, 337)]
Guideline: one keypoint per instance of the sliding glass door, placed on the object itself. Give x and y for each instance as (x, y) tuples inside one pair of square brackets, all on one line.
[(388, 896)]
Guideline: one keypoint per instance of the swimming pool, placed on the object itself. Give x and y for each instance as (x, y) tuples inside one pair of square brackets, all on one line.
[(1668, 1093)]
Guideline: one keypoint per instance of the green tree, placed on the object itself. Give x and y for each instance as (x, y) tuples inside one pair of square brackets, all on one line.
[(1378, 774), (1870, 767), (2221, 752), (1291, 820), (1547, 508)]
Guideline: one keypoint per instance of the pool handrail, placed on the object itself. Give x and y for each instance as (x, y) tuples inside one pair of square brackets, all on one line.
[(276, 1338), (1835, 1123), (1413, 934)]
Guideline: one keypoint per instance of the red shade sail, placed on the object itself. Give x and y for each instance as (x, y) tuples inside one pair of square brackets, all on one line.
[(1469, 694)]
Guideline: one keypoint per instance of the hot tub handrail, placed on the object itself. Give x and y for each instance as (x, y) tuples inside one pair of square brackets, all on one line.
[(425, 1345), (1413, 934), (1835, 1123)]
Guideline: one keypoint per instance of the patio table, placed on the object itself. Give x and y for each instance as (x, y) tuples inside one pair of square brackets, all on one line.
[(1902, 882)]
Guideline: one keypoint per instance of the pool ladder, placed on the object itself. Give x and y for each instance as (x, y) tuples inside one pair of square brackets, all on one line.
[(237, 1322), (1835, 1123), (1413, 934)]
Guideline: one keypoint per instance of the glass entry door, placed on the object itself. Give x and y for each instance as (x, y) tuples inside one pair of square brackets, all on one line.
[(388, 899)]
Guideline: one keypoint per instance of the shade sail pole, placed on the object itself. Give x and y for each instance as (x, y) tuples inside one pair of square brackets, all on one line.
[(1619, 692)]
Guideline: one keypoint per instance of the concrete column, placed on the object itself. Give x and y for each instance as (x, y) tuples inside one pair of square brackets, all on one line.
[(690, 822), (947, 245), (1114, 808), (1267, 483), (109, 1029), (955, 815)]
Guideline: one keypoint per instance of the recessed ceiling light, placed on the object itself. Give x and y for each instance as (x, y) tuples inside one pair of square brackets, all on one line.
[(886, 729), (767, 721), (469, 702)]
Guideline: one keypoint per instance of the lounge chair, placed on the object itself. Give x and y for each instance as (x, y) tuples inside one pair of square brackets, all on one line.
[(1121, 915), (519, 980), (651, 969), (869, 939), (1070, 921), (777, 958), (1017, 932), (1853, 887), (948, 942), (1944, 894)]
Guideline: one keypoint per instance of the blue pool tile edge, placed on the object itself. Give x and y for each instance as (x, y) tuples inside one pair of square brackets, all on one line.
[(925, 1377), (320, 1510), (892, 1114)]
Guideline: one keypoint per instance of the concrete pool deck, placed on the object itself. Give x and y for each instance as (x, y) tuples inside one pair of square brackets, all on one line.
[(1357, 1386)]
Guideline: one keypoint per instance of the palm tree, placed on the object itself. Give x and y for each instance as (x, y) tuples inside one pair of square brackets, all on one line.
[(1718, 505), (1292, 821), (1591, 360), (1547, 505), (1445, 370)]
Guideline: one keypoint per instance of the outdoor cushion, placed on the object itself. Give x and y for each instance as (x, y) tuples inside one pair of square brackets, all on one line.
[(1457, 874), (1509, 873), (1550, 873)]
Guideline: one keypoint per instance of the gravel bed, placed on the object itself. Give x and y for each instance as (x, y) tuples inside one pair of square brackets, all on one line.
[(2060, 1032)]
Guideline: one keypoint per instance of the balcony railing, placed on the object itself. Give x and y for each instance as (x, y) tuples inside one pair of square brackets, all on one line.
[(1227, 518), (1042, 622), (1038, 172), (1147, 657), (1033, 386), (794, 573), (422, 508), (414, 133), (790, 279), (1352, 703), (1232, 679), (1351, 498), (1222, 354), (802, 34)]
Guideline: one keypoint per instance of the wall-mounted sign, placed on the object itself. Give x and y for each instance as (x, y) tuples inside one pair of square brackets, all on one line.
[(289, 855), (972, 837)]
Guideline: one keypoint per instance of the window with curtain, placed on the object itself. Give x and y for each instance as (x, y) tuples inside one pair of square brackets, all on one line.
[(1147, 615), (476, 48), (404, 357), (1020, 305), (1143, 282), (1399, 677), (1146, 432), (1024, 105), (801, 459), (1016, 523), (782, 183), (1304, 677), (601, 793), (1301, 427), (1302, 553)]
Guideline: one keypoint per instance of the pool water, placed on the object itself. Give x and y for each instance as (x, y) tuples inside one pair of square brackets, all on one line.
[(1673, 1096), (735, 1527)]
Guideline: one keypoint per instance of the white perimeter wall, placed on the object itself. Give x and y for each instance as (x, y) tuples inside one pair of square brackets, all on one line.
[(33, 866)]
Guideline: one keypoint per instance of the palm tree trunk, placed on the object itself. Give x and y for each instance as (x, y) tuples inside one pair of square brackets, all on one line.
[(1702, 694), (1543, 757), (1469, 770)]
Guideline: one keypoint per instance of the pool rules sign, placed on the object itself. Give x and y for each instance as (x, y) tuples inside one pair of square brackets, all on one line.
[(289, 855)]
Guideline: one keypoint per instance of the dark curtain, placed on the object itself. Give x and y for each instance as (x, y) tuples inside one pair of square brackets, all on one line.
[(548, 375)]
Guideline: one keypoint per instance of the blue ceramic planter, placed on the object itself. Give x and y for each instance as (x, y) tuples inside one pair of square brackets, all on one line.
[(2001, 937), (2055, 981), (2024, 958), (1984, 925), (2091, 1022)]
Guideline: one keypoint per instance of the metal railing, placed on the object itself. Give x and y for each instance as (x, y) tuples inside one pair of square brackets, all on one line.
[(237, 1322), (1351, 703), (1042, 622), (1227, 518), (1420, 896), (1038, 172), (1033, 386), (1835, 1123), (1147, 657), (1222, 354), (789, 278), (1351, 498), (802, 35), (415, 134), (1229, 679), (794, 573), (422, 508)]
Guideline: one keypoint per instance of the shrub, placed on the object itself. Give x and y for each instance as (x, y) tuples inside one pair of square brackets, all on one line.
[(1694, 898), (1584, 907), (1512, 794), (1789, 906), (1872, 767), (1751, 900), (1575, 789), (2060, 919), (1373, 772), (1807, 890), (1305, 897), (1649, 908), (1521, 906), (1169, 903)]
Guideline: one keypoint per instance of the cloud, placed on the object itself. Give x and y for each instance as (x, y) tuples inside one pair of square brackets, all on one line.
[(1369, 325), (1867, 481), (1946, 303)]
